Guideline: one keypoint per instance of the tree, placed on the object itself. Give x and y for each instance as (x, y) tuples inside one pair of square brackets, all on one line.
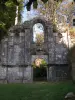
[(28, 4), (7, 15), (48, 11)]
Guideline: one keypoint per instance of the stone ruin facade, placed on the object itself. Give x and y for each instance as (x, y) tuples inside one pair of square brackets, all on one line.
[(18, 52)]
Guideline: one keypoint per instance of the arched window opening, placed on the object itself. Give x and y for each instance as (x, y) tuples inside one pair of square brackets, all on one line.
[(38, 33)]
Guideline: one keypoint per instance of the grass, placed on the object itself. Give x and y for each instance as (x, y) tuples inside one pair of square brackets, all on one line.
[(36, 91)]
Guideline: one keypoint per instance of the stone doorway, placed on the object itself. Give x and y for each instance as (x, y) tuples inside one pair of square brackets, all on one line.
[(40, 74), (39, 64)]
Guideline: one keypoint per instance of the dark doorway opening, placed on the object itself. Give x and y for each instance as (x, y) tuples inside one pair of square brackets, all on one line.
[(39, 70), (40, 74)]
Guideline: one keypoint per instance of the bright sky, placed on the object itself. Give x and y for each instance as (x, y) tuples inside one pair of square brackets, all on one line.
[(29, 14), (37, 29)]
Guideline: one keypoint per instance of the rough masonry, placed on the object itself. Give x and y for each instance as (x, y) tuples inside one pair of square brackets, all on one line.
[(18, 52)]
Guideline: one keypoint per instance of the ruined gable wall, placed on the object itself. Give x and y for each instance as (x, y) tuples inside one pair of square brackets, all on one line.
[(16, 51)]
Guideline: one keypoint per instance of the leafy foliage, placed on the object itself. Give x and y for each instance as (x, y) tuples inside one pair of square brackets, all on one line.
[(7, 15), (42, 63), (48, 10)]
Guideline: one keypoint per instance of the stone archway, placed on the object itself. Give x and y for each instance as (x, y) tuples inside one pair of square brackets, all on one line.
[(40, 73)]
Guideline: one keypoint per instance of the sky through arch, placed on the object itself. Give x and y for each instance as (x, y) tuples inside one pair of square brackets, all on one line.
[(38, 29)]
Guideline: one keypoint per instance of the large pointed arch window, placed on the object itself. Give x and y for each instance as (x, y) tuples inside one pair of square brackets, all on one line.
[(38, 33)]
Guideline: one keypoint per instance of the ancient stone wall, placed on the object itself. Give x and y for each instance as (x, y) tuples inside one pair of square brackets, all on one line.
[(17, 52)]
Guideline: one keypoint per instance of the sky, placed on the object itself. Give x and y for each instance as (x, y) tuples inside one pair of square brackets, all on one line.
[(37, 29), (29, 14)]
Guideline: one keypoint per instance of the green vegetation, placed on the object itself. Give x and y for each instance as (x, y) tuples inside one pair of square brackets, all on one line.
[(8, 14), (36, 91), (39, 63)]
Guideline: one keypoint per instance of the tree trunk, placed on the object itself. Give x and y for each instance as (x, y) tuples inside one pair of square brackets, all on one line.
[(16, 18)]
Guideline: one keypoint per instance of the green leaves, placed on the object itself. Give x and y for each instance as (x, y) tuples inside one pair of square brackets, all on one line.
[(16, 2), (8, 14), (9, 4), (2, 30), (35, 4), (39, 63)]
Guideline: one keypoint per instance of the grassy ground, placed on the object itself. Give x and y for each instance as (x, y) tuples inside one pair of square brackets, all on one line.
[(36, 91)]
